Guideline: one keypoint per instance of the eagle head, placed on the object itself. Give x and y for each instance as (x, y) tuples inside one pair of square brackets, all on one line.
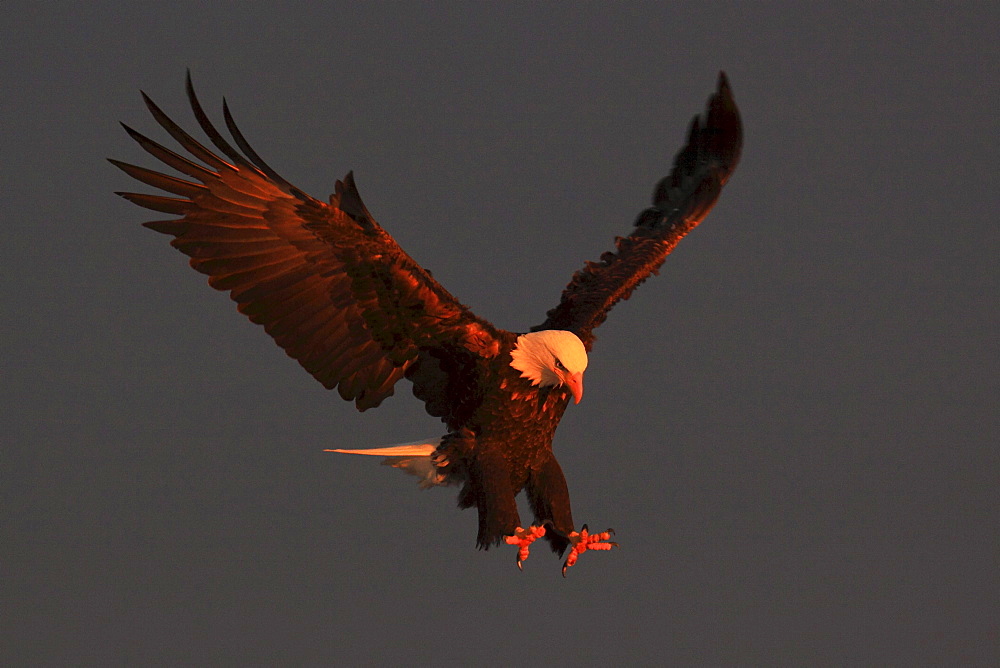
[(551, 357)]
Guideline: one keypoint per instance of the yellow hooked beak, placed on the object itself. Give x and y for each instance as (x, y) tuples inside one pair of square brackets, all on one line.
[(575, 384)]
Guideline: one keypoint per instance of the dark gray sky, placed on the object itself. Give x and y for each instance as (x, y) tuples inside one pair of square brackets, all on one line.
[(793, 428)]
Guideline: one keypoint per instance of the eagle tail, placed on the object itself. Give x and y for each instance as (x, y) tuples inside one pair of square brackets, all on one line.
[(415, 458)]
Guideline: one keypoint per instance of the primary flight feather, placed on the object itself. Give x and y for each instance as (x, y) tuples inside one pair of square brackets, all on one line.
[(340, 296)]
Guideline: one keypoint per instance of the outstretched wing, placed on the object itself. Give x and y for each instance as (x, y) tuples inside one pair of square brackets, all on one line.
[(335, 291), (680, 202)]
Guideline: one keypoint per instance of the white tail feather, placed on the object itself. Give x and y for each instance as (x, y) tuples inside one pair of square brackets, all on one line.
[(404, 450), (413, 458)]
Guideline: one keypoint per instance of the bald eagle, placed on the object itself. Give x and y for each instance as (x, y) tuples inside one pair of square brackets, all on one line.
[(341, 297)]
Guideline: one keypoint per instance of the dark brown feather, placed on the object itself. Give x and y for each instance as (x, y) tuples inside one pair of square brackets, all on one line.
[(171, 184), (168, 157), (548, 496)]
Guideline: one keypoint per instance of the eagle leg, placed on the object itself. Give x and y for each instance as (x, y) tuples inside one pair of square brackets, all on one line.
[(583, 540), (523, 538)]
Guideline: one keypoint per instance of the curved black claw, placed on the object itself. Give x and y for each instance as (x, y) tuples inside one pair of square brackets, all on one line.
[(523, 538)]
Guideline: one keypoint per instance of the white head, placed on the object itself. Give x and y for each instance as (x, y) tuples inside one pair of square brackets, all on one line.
[(551, 357)]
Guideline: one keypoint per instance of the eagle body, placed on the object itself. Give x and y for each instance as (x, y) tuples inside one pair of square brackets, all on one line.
[(501, 427), (340, 296)]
